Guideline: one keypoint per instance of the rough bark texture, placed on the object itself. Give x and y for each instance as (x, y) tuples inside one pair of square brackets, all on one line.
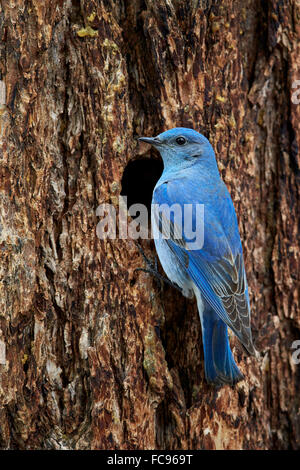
[(99, 356)]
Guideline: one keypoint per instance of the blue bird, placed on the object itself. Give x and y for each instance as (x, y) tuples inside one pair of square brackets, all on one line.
[(214, 272)]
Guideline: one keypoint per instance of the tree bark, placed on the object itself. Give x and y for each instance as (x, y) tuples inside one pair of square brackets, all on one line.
[(96, 355)]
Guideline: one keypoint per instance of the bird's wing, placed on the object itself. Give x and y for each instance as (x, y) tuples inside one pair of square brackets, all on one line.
[(218, 268)]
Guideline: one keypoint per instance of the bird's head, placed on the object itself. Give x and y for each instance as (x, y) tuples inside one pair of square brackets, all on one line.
[(182, 148)]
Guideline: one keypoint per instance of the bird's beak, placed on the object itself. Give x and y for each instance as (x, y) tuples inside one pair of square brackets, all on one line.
[(151, 140)]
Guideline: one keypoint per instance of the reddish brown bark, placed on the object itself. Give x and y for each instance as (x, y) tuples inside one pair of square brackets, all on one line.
[(97, 355)]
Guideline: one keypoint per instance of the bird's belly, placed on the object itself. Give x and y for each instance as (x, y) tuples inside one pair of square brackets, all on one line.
[(171, 265)]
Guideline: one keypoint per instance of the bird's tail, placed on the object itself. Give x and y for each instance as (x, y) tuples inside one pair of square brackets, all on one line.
[(220, 366)]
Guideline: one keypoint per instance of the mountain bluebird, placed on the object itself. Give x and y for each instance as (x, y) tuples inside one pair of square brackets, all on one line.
[(214, 271)]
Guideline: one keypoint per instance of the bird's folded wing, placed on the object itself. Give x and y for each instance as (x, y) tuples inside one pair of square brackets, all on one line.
[(218, 268)]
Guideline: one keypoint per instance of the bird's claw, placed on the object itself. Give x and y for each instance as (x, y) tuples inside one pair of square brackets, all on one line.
[(153, 269)]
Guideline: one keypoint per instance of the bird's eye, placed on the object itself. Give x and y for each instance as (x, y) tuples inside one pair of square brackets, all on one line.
[(181, 140)]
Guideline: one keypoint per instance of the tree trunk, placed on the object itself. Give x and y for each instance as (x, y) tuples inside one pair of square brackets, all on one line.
[(96, 355)]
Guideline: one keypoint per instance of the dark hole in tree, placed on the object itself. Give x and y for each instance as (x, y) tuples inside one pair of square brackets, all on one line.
[(139, 179)]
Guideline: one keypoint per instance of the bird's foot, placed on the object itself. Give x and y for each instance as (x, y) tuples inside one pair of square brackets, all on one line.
[(153, 269)]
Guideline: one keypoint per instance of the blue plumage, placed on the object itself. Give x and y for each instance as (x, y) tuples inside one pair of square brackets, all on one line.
[(214, 272)]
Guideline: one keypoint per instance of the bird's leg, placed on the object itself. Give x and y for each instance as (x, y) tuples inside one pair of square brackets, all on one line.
[(153, 269)]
